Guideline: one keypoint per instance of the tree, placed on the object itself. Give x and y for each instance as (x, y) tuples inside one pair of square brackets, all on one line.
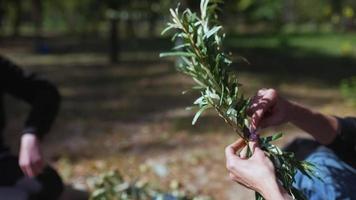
[(114, 7), (17, 18), (337, 6), (2, 14), (37, 13)]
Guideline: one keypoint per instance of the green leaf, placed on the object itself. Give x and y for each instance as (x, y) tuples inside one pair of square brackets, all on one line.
[(177, 53), (197, 115), (204, 8), (181, 46), (166, 30), (258, 196), (276, 136), (272, 138), (212, 31), (199, 100)]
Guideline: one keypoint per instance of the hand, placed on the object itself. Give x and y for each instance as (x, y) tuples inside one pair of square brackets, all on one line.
[(268, 109), (30, 158), (256, 172)]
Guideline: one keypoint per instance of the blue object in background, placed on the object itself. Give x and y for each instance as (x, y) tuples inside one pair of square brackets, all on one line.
[(42, 47)]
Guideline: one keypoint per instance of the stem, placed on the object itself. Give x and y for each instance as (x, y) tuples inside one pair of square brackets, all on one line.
[(201, 57), (237, 128)]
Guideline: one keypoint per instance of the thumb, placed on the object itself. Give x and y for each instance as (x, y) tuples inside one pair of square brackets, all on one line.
[(253, 145)]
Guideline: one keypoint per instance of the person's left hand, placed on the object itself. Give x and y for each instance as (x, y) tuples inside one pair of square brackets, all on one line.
[(30, 158), (256, 172)]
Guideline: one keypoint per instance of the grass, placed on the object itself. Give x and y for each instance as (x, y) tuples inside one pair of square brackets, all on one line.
[(331, 44)]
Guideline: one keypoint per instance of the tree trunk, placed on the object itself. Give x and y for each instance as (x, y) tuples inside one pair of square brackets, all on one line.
[(37, 13), (288, 11), (130, 28), (153, 24), (114, 48), (337, 6), (2, 14), (18, 18)]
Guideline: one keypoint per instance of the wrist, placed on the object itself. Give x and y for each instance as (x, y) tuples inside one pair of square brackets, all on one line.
[(29, 138), (292, 111), (274, 192)]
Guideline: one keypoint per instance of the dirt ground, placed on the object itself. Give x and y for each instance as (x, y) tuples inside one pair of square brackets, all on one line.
[(131, 116)]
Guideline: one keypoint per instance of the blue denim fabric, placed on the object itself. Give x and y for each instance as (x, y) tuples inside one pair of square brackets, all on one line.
[(165, 197), (338, 178)]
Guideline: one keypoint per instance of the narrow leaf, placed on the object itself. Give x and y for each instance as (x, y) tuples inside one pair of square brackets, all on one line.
[(197, 115), (177, 53), (212, 31)]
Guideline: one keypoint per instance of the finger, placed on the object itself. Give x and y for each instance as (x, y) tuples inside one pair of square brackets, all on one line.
[(265, 102), (253, 145), (259, 114), (258, 111), (232, 160), (34, 169), (243, 153), (232, 176), (234, 147), (257, 152), (28, 171), (31, 172), (254, 101), (24, 169), (252, 107)]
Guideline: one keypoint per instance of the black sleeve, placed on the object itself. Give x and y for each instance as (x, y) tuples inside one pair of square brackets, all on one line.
[(344, 144), (43, 96)]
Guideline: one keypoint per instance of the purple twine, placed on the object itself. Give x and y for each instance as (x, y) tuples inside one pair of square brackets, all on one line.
[(253, 136)]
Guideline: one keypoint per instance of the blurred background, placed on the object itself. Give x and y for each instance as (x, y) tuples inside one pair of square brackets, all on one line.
[(122, 106)]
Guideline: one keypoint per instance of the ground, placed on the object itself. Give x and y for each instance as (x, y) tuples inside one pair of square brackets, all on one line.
[(131, 116)]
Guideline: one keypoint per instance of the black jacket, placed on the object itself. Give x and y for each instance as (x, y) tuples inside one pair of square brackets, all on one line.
[(39, 93), (345, 144)]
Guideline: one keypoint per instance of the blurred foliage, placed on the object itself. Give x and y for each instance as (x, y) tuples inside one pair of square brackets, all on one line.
[(348, 89), (112, 186), (89, 16), (260, 10)]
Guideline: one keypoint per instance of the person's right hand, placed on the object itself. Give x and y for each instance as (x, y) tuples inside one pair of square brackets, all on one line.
[(256, 172), (267, 108), (30, 157)]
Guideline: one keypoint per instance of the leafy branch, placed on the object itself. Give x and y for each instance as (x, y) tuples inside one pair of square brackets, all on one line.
[(209, 67), (203, 59), (112, 186)]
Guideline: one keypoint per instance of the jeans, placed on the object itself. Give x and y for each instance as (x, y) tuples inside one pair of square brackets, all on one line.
[(338, 179)]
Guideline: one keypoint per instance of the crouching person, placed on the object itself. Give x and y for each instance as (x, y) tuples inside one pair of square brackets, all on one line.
[(27, 176)]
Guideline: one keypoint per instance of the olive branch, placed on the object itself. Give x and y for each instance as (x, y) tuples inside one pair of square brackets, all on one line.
[(203, 58)]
